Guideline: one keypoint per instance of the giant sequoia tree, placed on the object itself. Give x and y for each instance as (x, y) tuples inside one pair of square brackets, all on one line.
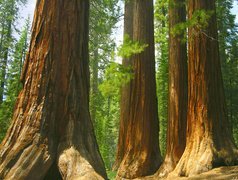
[(177, 116), (51, 130), (209, 141), (138, 150)]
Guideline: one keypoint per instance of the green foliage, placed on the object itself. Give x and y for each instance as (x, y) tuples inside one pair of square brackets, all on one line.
[(161, 39), (228, 45), (5, 112), (13, 84), (130, 47), (162, 91), (116, 75), (104, 110), (198, 22), (200, 19), (111, 175), (107, 137), (11, 59)]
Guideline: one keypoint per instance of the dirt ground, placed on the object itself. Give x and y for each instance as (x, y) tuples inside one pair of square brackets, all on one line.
[(229, 173), (222, 173)]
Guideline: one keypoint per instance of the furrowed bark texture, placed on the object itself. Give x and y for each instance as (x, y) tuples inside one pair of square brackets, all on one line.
[(51, 125), (209, 141), (141, 150), (125, 90), (178, 90)]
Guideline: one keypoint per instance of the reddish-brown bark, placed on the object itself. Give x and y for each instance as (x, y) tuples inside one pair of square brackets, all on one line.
[(51, 125), (125, 90), (139, 126), (209, 142), (178, 91)]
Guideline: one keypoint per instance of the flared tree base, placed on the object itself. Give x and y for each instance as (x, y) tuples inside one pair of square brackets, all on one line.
[(73, 165), (139, 165), (167, 167), (200, 157)]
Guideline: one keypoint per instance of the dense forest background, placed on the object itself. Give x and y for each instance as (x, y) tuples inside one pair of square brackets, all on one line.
[(107, 73)]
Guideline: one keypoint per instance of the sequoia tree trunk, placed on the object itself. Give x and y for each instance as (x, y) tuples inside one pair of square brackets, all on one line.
[(125, 90), (209, 140), (51, 125), (139, 129), (178, 90)]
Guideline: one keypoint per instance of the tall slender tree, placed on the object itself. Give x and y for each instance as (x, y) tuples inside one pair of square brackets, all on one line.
[(139, 129), (178, 91), (209, 140), (162, 49), (228, 42), (101, 46), (51, 125), (13, 84), (8, 13)]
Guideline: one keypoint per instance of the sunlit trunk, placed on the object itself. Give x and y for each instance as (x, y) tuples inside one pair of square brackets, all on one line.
[(209, 140)]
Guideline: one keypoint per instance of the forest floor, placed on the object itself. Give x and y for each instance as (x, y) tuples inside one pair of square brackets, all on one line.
[(222, 173)]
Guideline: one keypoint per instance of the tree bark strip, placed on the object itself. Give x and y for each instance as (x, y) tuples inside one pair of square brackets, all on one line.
[(141, 149), (178, 90), (125, 90)]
